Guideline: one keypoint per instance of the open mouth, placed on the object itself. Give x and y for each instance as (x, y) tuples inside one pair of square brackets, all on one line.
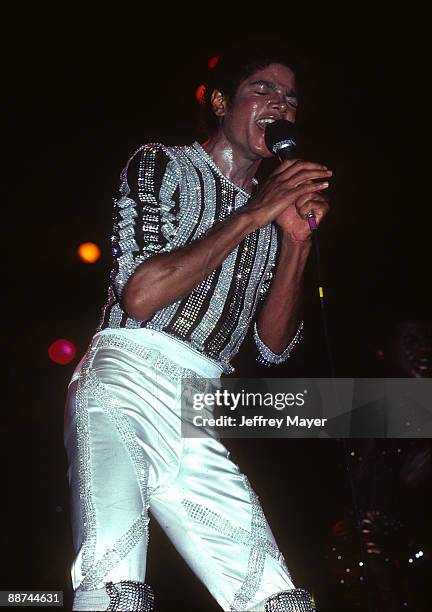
[(264, 122)]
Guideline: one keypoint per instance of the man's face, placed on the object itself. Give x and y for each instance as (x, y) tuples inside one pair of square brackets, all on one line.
[(410, 350), (266, 95)]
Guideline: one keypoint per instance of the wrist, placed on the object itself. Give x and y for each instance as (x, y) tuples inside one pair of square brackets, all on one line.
[(289, 242), (249, 219)]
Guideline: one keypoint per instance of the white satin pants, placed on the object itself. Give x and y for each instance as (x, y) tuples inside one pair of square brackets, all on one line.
[(126, 456)]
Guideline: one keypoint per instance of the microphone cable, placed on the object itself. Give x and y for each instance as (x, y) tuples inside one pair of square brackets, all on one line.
[(354, 496), (314, 237)]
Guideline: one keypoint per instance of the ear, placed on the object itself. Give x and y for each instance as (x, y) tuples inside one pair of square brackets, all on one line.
[(218, 103)]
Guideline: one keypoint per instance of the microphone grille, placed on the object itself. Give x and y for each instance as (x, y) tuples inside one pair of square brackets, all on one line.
[(280, 135)]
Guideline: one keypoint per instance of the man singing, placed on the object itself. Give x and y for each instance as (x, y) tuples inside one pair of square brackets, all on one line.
[(196, 245)]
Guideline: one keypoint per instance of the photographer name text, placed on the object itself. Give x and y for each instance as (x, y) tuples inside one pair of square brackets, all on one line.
[(258, 421)]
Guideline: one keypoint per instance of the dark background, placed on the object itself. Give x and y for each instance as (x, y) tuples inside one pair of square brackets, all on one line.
[(80, 94)]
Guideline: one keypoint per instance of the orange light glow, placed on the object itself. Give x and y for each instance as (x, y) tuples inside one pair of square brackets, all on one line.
[(89, 252)]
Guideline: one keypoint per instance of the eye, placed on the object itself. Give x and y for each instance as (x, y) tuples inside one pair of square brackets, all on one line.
[(262, 90)]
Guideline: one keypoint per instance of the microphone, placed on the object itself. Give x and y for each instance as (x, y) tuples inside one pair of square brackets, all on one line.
[(281, 140)]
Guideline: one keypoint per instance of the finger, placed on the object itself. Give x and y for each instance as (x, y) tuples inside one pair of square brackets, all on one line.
[(285, 165), (317, 207), (306, 188), (291, 166), (304, 176), (317, 197)]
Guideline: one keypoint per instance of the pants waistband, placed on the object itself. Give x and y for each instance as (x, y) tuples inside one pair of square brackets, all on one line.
[(176, 350)]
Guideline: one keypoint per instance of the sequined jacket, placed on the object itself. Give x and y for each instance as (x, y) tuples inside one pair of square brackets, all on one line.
[(170, 197)]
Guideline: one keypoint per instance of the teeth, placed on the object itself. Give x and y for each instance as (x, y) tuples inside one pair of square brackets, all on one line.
[(266, 120)]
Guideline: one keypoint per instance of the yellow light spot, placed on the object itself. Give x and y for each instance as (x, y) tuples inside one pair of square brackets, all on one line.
[(321, 292), (89, 252)]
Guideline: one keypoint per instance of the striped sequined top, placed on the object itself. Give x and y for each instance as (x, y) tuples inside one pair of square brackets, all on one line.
[(169, 197)]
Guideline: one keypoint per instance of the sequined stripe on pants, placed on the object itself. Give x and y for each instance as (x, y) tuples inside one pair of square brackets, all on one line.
[(126, 454)]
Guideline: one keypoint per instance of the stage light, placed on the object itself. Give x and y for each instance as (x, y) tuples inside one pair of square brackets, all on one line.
[(62, 351), (213, 61), (199, 94), (89, 252)]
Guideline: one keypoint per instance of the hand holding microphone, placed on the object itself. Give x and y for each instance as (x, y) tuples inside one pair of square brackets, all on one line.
[(281, 140)]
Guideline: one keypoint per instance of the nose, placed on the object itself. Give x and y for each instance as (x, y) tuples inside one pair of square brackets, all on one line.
[(278, 101)]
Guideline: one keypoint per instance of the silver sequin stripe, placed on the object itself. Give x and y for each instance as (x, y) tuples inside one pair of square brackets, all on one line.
[(126, 261), (188, 227), (122, 547), (189, 160), (126, 241), (216, 292), (238, 282), (84, 462), (156, 219), (213, 520), (150, 212), (192, 159), (206, 203), (257, 554), (267, 280), (266, 241), (139, 528), (268, 354), (88, 383), (171, 226), (152, 356), (256, 539), (230, 200)]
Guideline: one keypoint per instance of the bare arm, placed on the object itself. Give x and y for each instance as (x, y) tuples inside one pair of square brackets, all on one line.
[(166, 278), (280, 315)]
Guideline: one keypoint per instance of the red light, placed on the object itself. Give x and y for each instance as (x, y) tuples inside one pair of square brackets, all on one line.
[(213, 61), (200, 93), (62, 351)]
